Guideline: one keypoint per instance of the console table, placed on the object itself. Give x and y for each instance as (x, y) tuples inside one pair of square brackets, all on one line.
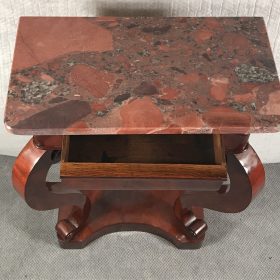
[(149, 118)]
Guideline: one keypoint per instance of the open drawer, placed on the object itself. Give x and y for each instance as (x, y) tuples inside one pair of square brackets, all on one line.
[(144, 156)]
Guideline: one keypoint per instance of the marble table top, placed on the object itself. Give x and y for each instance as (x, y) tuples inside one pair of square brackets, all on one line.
[(106, 75)]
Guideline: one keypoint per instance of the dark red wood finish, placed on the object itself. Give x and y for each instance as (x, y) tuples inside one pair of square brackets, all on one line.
[(176, 215)]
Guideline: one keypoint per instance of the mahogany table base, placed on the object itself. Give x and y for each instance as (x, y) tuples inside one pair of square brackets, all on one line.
[(176, 215), (111, 211)]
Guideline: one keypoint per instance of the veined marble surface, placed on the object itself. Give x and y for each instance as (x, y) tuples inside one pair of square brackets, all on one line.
[(109, 75)]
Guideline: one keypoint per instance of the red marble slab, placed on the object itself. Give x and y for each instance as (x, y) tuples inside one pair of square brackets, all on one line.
[(108, 75)]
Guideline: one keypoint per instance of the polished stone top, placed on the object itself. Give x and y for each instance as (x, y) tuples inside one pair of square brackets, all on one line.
[(108, 75)]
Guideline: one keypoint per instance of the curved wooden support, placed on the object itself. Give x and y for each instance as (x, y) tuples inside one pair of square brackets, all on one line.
[(247, 178), (29, 179)]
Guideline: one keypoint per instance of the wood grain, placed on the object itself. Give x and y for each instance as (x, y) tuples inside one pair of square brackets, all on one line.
[(143, 156), (136, 184), (143, 170), (218, 149)]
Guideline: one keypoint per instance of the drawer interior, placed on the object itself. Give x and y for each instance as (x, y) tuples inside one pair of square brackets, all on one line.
[(196, 149), (148, 155)]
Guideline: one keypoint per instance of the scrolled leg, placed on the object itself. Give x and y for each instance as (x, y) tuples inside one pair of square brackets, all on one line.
[(29, 179), (195, 227), (71, 219), (247, 177)]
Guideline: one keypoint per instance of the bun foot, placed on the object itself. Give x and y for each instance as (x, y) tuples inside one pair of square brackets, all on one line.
[(65, 230), (195, 227)]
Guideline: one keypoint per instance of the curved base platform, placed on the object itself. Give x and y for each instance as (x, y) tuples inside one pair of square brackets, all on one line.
[(148, 211)]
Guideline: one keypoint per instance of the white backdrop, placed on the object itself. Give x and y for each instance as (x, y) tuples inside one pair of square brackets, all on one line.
[(267, 146)]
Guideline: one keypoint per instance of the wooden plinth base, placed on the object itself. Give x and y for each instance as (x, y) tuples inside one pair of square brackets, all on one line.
[(148, 211)]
